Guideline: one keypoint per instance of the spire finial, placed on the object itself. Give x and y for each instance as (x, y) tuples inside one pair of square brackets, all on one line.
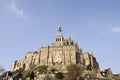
[(59, 25), (59, 28)]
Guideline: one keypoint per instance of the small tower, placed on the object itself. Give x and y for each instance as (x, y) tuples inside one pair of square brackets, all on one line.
[(58, 40)]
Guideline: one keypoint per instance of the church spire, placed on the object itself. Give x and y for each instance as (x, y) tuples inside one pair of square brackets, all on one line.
[(59, 30), (58, 40)]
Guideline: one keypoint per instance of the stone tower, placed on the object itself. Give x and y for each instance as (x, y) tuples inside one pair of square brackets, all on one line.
[(58, 40)]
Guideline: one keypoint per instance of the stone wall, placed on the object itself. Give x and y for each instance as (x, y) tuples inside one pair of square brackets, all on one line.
[(55, 56)]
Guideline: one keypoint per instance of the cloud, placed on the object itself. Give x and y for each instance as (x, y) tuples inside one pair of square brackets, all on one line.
[(115, 29), (12, 6)]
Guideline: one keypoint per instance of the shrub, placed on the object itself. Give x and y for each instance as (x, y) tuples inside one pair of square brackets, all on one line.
[(59, 75), (41, 68)]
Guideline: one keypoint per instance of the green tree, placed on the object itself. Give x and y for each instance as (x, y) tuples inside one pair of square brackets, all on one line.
[(41, 68), (74, 72), (32, 75), (59, 75)]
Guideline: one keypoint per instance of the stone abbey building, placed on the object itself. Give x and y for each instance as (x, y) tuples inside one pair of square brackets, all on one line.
[(61, 53)]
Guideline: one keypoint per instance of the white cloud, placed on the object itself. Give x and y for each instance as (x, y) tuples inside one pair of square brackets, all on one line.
[(12, 6), (115, 29)]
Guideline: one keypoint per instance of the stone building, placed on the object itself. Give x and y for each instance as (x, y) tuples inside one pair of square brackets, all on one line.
[(90, 61), (59, 54)]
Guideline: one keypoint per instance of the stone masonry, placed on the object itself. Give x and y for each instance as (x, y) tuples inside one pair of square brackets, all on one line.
[(59, 54)]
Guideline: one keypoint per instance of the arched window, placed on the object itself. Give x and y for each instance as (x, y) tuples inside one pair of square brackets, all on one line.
[(71, 43), (67, 43), (60, 39), (24, 66)]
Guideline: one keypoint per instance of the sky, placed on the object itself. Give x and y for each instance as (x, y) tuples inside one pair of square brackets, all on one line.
[(27, 25)]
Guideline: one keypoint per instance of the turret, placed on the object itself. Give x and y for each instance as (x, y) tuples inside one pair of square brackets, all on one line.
[(58, 40)]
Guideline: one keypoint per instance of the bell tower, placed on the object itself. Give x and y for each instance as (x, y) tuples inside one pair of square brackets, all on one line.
[(58, 40)]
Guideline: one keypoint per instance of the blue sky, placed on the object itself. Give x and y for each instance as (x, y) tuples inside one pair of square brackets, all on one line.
[(27, 25)]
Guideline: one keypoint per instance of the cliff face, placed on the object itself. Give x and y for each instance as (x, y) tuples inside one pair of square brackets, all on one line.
[(61, 53)]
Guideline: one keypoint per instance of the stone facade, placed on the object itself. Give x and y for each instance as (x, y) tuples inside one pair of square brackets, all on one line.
[(90, 60), (59, 54)]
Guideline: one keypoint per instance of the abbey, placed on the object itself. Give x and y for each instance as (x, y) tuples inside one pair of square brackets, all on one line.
[(61, 53)]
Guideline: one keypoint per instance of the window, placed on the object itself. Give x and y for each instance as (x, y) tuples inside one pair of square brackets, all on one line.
[(60, 39), (71, 43), (67, 43)]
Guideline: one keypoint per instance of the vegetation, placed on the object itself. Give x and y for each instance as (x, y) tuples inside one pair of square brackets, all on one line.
[(59, 75), (32, 71), (74, 72), (32, 75), (94, 73), (53, 70), (41, 68)]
